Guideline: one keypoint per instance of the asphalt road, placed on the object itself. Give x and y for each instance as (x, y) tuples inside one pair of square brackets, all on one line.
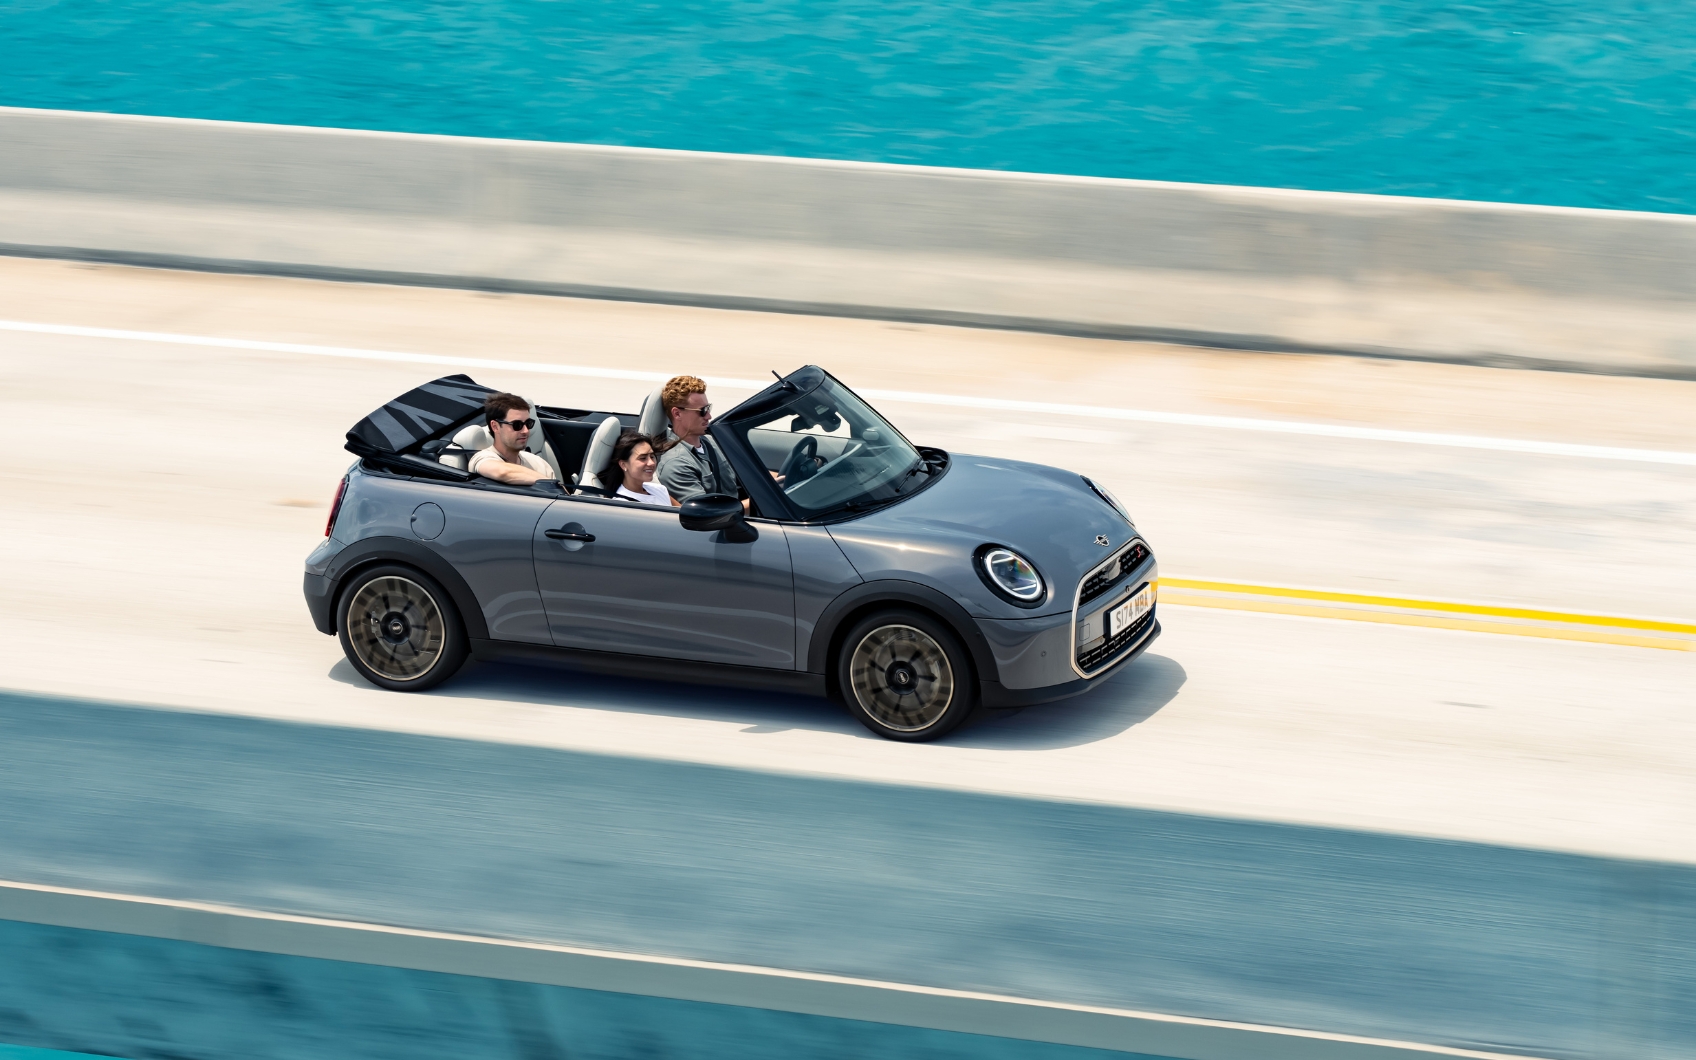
[(161, 497)]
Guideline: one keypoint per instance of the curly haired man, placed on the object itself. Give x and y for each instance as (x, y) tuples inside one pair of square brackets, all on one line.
[(692, 465)]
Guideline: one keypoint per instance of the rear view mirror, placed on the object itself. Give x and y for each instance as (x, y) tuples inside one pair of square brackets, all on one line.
[(717, 511)]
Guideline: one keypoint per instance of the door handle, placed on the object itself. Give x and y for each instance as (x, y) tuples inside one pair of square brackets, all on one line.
[(569, 535)]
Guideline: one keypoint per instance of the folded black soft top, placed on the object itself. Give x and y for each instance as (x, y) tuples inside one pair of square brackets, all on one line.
[(402, 424)]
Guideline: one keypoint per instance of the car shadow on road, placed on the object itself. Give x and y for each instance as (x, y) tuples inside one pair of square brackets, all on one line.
[(1129, 698), (545, 685)]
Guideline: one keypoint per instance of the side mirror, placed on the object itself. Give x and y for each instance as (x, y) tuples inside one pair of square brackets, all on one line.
[(717, 511)]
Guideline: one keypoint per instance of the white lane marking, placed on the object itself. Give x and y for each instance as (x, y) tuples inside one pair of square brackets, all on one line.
[(1179, 419)]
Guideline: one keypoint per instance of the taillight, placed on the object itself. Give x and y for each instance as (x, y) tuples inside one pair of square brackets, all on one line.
[(336, 507)]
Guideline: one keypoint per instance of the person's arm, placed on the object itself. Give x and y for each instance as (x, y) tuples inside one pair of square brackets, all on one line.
[(493, 467)]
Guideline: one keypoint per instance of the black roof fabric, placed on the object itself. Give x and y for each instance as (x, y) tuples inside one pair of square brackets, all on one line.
[(417, 415)]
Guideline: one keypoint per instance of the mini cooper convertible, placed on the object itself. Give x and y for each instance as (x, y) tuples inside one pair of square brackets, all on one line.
[(914, 585)]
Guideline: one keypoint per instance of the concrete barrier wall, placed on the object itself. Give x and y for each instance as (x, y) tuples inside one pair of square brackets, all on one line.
[(1320, 930), (1247, 267), (126, 995)]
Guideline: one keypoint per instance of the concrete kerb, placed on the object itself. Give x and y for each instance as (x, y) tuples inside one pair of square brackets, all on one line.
[(721, 984), (1244, 268)]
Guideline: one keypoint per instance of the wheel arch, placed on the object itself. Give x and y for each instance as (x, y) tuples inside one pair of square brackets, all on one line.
[(377, 551), (840, 615)]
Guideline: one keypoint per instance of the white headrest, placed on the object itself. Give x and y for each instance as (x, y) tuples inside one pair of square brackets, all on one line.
[(599, 454), (653, 419), (475, 436), (538, 437)]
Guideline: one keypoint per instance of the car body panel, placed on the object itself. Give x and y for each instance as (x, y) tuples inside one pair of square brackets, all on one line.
[(1049, 516), (895, 592), (1031, 652), (646, 586), (485, 538), (322, 589), (822, 574)]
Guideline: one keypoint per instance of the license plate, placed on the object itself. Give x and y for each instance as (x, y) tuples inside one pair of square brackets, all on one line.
[(1128, 612)]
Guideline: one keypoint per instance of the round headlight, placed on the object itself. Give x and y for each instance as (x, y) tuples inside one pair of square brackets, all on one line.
[(1107, 495), (1013, 574)]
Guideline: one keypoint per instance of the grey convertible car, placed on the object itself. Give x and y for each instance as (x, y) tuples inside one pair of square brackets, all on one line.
[(912, 584)]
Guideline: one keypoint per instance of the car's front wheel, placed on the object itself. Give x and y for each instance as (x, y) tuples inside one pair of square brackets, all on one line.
[(906, 676), (400, 629)]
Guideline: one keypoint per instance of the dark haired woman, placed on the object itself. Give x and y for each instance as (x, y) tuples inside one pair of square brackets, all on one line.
[(633, 453)]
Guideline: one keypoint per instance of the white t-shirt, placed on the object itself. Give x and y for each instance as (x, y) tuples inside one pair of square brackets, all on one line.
[(525, 457), (655, 494)]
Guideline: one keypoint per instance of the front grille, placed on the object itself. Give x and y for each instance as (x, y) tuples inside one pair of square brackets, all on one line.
[(1088, 661), (1108, 574)]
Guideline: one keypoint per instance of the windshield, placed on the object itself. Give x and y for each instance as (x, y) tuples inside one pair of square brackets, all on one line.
[(830, 452)]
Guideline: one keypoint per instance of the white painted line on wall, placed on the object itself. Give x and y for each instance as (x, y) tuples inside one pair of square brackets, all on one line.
[(840, 997), (1046, 408)]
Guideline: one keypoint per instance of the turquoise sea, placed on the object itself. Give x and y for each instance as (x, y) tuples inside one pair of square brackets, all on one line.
[(1542, 101)]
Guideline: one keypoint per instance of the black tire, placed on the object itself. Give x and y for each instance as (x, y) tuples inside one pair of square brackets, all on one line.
[(400, 629), (906, 676)]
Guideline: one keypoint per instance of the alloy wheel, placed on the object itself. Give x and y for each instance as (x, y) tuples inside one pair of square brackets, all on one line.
[(902, 678), (396, 628)]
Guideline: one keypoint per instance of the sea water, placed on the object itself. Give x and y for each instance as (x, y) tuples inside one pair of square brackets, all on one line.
[(1539, 101)]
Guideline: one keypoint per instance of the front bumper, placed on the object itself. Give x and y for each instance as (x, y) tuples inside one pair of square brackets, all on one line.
[(998, 696)]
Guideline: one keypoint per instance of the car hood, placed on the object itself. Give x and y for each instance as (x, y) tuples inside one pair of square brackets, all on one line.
[(1050, 516)]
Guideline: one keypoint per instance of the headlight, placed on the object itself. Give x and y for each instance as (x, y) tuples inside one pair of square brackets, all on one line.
[(1112, 502), (1011, 575)]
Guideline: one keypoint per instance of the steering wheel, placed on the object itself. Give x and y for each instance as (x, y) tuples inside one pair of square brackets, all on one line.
[(802, 462)]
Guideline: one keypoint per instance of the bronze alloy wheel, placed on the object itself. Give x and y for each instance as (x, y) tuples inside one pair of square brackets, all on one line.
[(902, 678), (396, 628)]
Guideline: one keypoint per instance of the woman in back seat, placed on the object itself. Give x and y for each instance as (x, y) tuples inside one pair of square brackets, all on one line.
[(634, 456)]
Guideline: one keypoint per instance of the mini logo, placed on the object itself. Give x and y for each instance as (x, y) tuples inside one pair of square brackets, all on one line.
[(1101, 539)]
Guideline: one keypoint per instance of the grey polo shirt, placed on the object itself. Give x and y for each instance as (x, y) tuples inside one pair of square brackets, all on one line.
[(689, 472)]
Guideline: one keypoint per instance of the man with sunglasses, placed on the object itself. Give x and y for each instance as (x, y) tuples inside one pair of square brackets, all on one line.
[(692, 465), (508, 460)]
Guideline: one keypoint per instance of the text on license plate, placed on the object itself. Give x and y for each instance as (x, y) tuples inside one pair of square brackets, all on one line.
[(1128, 612)]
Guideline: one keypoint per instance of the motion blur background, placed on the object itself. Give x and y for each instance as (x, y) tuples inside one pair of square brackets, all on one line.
[(1536, 101), (1411, 772)]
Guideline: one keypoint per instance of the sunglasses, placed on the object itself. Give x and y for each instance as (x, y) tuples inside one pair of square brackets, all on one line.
[(517, 425), (704, 410)]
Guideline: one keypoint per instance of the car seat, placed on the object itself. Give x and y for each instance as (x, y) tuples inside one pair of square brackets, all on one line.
[(599, 454), (652, 420), (476, 436), (470, 439), (539, 445)]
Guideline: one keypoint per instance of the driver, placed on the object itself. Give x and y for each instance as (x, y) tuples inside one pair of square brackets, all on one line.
[(692, 464), (508, 461)]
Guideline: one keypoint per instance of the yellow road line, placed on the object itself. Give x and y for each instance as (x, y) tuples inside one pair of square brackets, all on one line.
[(1278, 607), (1529, 614)]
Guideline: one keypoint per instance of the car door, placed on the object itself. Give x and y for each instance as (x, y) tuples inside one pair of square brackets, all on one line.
[(624, 577)]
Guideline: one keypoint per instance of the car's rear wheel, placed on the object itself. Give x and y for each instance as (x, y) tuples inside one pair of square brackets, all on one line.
[(400, 629), (906, 676)]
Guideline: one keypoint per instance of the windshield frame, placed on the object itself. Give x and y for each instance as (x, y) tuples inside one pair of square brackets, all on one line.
[(731, 431)]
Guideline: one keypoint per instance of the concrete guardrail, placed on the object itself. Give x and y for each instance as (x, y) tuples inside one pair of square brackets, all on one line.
[(1073, 924), (1251, 268)]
